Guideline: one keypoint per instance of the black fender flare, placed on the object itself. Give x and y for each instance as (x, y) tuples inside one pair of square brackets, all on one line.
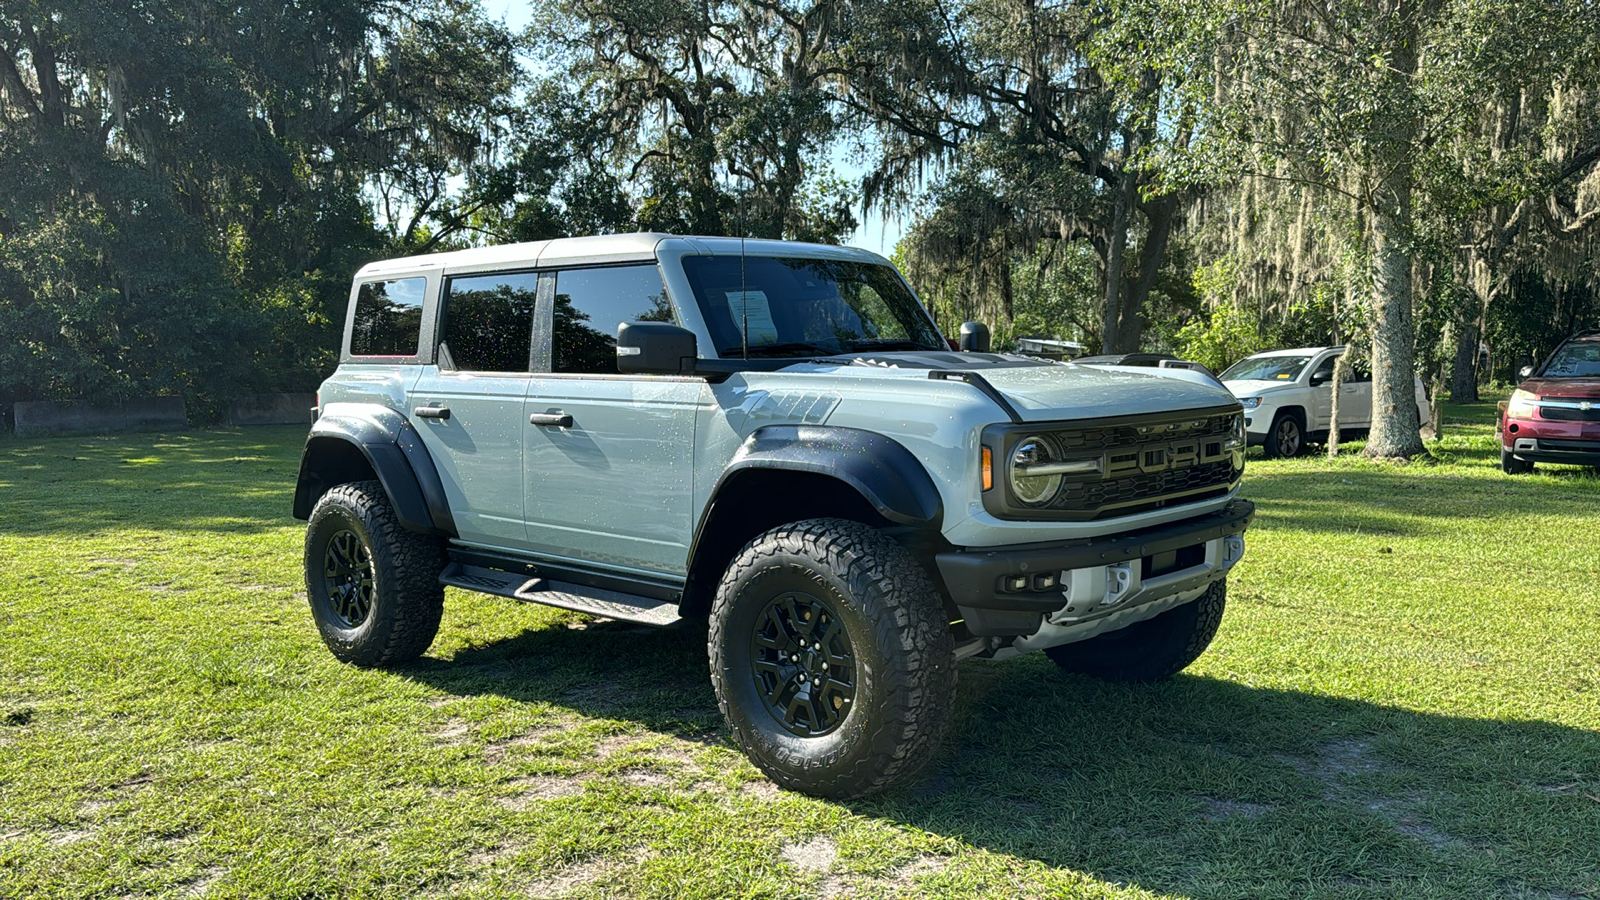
[(393, 450), (880, 468)]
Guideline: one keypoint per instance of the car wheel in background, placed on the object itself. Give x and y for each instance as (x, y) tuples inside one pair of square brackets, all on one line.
[(1287, 437), (1510, 465)]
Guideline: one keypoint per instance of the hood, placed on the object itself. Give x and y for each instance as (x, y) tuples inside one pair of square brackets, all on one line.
[(1251, 388), (1579, 388), (1046, 391)]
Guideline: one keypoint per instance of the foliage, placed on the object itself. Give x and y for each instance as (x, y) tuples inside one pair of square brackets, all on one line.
[(1371, 105)]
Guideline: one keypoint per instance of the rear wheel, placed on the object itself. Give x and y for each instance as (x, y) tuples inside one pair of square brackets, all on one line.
[(373, 586), (1511, 465), (1151, 650), (832, 658)]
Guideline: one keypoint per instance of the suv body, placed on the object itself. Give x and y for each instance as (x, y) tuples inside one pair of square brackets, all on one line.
[(1288, 398), (1554, 415), (647, 426)]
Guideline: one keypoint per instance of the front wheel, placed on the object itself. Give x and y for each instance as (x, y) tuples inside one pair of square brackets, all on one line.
[(1511, 465), (1287, 437), (832, 658), (1152, 650), (373, 586)]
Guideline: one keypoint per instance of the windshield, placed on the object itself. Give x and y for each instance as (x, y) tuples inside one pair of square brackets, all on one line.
[(806, 307), (1579, 359), (1266, 368)]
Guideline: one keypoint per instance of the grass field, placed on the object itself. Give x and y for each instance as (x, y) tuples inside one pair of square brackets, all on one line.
[(1404, 701)]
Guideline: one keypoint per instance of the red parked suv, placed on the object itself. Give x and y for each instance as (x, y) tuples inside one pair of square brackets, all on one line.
[(1554, 416)]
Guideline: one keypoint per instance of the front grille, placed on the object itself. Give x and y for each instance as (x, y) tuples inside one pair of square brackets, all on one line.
[(1569, 414), (1147, 463)]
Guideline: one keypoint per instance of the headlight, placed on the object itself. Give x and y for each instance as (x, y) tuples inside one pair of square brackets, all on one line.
[(1523, 405), (1250, 402), (1036, 470)]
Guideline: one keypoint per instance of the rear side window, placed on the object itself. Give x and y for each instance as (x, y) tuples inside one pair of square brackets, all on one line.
[(388, 318), (488, 322), (591, 303)]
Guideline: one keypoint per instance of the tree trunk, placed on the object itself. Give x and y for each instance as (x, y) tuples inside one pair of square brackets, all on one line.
[(1464, 371), (1159, 214), (1116, 254), (1341, 368), (1394, 399)]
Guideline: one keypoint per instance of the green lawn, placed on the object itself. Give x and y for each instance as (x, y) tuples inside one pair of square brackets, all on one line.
[(1404, 701)]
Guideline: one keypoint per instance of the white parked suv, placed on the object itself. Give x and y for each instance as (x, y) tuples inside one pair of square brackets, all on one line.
[(1288, 397)]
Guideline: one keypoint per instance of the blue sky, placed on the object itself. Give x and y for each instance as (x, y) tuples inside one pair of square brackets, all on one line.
[(875, 233)]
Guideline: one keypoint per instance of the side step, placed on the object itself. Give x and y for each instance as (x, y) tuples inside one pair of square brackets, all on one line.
[(563, 594)]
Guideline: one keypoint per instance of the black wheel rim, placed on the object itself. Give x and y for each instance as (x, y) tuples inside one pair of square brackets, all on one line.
[(348, 577), (1288, 438), (802, 663)]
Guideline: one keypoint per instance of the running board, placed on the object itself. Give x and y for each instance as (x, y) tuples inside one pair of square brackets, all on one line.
[(563, 594)]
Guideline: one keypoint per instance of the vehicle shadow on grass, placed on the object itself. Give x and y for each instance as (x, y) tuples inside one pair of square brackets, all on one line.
[(1196, 786)]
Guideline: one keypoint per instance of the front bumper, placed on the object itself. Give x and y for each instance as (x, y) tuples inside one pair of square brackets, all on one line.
[(1551, 441), (1008, 590)]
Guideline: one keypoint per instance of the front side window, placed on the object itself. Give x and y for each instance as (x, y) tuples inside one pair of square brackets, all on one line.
[(781, 307), (488, 322), (1266, 368), (591, 303), (388, 319)]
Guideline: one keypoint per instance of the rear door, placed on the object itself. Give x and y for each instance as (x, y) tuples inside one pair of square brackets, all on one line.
[(468, 407), (610, 457), (1355, 399)]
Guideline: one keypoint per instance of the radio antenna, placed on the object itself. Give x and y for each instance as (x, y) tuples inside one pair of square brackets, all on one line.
[(744, 293)]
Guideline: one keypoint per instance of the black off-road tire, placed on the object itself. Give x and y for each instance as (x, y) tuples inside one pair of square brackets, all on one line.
[(898, 640), (1152, 650), (398, 575), (1510, 465), (1287, 437)]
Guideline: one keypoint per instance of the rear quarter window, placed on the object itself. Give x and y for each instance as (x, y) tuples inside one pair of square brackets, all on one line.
[(388, 319)]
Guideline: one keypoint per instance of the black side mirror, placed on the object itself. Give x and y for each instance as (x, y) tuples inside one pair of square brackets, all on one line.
[(1319, 379), (655, 348), (974, 337), (1526, 371)]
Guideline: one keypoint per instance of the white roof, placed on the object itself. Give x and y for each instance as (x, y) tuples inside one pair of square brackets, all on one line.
[(637, 247)]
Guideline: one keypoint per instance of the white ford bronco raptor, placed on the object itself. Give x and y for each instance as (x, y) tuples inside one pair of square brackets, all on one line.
[(775, 437)]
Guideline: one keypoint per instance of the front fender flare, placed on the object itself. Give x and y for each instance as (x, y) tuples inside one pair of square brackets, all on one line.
[(882, 470), (394, 451)]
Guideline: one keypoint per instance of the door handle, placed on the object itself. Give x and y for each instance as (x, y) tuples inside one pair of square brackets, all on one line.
[(559, 420), (432, 412)]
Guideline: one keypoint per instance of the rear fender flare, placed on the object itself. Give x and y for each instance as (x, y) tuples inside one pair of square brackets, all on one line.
[(394, 452)]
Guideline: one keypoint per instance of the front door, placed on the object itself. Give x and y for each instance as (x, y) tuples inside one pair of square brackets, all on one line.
[(609, 458), (468, 407)]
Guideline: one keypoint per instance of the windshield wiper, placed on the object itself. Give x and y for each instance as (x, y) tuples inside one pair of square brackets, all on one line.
[(888, 344), (778, 349)]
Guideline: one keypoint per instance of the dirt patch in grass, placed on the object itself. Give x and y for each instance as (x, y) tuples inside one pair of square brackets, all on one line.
[(1233, 809), (201, 886), (570, 878), (814, 856), (538, 788), (62, 837), (452, 735), (761, 790)]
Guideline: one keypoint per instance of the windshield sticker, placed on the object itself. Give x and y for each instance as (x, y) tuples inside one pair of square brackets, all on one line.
[(752, 312)]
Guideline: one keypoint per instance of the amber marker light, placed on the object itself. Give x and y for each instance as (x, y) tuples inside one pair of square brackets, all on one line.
[(988, 469)]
